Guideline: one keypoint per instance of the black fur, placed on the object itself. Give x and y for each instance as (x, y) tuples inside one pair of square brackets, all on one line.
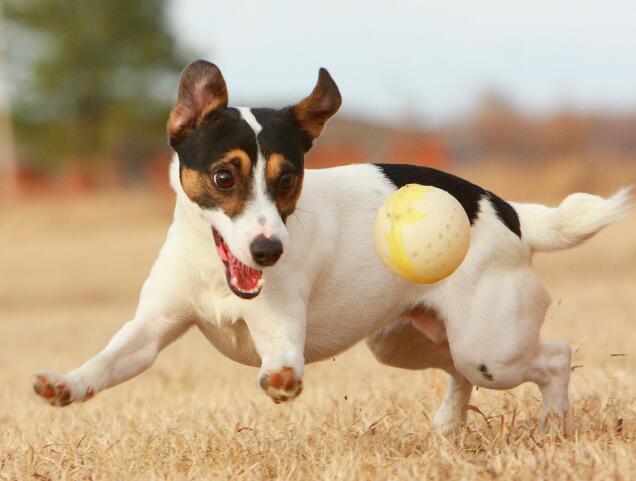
[(224, 129), (467, 193), (484, 370), (219, 132), (506, 213), (280, 135)]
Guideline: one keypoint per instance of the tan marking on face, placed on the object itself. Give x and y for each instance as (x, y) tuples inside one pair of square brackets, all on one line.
[(285, 200), (193, 183), (244, 163), (275, 165), (200, 188)]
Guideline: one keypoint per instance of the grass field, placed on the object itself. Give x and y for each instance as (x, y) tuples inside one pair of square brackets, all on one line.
[(70, 272)]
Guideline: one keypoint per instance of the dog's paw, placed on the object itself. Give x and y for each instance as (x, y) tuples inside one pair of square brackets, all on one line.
[(59, 391), (448, 421), (554, 423), (282, 385), (448, 426)]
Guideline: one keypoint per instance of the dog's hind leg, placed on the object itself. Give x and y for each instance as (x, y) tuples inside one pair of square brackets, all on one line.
[(452, 413), (495, 339), (403, 345), (550, 370)]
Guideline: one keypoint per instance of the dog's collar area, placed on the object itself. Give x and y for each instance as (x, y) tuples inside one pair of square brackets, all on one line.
[(243, 280)]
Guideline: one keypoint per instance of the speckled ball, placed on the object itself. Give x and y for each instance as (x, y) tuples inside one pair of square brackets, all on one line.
[(422, 233)]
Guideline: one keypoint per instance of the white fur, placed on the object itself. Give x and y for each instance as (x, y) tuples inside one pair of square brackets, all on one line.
[(248, 116), (330, 291), (578, 217)]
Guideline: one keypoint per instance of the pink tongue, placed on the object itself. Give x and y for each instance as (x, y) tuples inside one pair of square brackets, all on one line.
[(246, 277)]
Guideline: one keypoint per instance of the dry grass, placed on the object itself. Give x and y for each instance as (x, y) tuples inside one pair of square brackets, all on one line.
[(70, 271)]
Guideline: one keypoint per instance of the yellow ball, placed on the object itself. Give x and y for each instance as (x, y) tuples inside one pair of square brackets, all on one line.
[(422, 233)]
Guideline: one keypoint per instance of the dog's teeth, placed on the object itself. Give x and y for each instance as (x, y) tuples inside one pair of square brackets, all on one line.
[(234, 281), (260, 283)]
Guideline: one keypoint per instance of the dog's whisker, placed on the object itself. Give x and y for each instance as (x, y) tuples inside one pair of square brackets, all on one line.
[(307, 212), (300, 223)]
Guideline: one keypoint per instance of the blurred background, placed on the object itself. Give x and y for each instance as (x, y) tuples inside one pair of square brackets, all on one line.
[(532, 100), (86, 86)]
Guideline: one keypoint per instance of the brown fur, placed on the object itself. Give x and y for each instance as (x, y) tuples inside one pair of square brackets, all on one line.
[(285, 201), (313, 112), (200, 188), (275, 165), (202, 89)]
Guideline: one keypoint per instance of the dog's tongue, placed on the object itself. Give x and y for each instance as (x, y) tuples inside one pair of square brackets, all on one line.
[(243, 277)]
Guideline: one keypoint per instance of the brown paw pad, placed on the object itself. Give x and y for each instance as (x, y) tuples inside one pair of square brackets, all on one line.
[(281, 385), (56, 393)]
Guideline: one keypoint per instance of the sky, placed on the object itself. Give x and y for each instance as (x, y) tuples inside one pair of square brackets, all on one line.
[(429, 60)]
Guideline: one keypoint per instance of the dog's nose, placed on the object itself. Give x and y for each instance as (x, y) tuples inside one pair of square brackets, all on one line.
[(266, 250)]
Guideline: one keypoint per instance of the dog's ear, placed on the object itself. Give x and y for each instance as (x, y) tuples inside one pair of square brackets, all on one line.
[(312, 113), (201, 90)]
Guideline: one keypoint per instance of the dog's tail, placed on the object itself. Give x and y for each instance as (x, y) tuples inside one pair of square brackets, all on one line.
[(576, 219)]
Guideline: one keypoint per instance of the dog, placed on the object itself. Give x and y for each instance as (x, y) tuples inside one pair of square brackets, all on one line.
[(275, 264)]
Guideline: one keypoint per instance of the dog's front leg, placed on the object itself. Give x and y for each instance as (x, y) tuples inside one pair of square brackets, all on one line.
[(278, 333), (132, 350)]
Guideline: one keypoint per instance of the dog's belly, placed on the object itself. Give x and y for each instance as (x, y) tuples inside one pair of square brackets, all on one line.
[(235, 342)]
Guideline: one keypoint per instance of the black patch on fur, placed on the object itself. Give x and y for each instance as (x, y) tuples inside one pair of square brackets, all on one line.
[(467, 193), (280, 135), (219, 132), (506, 213), (484, 370)]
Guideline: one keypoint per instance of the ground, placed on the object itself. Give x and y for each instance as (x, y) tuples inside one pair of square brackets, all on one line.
[(70, 272)]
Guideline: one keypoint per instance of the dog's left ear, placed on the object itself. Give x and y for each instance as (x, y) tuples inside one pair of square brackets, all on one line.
[(312, 113), (201, 90)]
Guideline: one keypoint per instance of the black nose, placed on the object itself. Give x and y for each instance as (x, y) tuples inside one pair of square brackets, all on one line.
[(266, 250)]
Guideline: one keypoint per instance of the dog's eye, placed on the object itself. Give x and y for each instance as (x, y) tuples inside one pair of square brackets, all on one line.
[(286, 181), (223, 179)]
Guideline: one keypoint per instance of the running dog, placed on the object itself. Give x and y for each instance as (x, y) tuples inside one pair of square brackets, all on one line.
[(275, 263)]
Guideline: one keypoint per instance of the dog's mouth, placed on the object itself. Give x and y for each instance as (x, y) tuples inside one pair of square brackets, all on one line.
[(242, 280)]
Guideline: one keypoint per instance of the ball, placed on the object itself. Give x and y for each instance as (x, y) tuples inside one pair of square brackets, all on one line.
[(422, 233)]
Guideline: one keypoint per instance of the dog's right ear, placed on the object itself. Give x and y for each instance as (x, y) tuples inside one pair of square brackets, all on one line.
[(201, 90), (312, 112)]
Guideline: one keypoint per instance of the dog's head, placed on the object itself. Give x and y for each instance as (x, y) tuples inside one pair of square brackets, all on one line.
[(244, 167)]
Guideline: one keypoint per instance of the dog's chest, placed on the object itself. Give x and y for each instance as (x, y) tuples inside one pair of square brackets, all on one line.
[(219, 317), (232, 340)]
